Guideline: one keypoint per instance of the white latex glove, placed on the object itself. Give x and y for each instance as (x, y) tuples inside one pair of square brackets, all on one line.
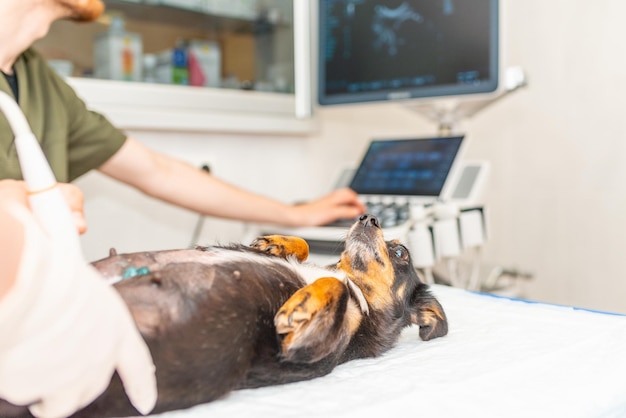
[(63, 333)]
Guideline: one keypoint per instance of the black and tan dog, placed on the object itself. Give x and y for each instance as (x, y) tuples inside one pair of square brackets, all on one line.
[(221, 319)]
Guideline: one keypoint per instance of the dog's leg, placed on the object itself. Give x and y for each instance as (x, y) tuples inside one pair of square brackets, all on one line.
[(316, 321), (282, 246), (429, 315)]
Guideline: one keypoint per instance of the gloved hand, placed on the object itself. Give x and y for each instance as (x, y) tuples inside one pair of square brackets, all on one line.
[(63, 332)]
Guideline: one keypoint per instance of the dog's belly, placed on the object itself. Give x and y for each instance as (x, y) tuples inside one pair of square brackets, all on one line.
[(208, 321)]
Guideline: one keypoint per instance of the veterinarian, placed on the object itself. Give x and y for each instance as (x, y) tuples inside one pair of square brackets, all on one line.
[(76, 140), (64, 331)]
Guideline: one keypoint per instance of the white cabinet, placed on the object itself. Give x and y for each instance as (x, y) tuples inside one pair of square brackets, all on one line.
[(258, 89)]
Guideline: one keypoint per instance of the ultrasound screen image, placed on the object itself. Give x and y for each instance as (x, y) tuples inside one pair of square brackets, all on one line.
[(370, 48), (408, 167)]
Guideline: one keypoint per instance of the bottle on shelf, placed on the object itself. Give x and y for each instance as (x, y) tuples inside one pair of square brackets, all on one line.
[(118, 53), (180, 63)]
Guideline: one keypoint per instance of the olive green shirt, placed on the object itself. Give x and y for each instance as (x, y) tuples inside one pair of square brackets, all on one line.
[(73, 138)]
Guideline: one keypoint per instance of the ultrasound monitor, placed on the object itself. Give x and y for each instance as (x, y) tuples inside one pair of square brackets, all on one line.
[(376, 50), (407, 167)]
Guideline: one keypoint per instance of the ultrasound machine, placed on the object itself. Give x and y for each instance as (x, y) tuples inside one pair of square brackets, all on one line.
[(441, 59), (397, 179)]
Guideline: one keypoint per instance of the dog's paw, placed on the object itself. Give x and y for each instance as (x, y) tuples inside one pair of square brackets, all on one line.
[(312, 322), (282, 246), (429, 316)]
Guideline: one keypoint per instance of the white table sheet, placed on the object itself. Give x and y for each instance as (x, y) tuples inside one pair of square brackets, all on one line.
[(501, 358)]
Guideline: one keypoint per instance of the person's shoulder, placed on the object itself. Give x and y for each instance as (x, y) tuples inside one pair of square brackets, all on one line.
[(35, 67), (35, 64), (32, 55)]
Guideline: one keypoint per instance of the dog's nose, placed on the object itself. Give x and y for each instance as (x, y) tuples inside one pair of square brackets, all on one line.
[(367, 220)]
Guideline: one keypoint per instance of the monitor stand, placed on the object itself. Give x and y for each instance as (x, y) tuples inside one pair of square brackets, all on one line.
[(448, 112)]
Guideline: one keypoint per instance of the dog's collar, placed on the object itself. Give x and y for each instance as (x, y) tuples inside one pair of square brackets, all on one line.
[(357, 293)]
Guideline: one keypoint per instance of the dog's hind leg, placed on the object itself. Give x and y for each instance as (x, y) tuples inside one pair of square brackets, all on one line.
[(316, 321), (282, 246)]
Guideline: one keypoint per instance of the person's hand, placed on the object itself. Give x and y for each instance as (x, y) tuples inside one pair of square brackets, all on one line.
[(75, 199), (339, 204), (65, 332), (16, 191), (13, 190)]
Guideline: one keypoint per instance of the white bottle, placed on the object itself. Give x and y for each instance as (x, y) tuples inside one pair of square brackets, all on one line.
[(118, 54)]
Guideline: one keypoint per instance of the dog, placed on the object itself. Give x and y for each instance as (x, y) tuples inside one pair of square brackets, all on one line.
[(218, 319)]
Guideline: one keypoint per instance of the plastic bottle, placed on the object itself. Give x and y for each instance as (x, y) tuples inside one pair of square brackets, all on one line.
[(118, 54), (149, 68), (180, 64)]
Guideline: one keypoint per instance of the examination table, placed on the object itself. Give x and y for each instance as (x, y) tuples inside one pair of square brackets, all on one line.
[(502, 358)]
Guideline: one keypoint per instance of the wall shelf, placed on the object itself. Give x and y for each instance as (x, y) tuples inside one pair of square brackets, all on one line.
[(158, 107), (192, 14)]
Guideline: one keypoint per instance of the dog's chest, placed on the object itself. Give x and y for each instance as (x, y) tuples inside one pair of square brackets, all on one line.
[(308, 272)]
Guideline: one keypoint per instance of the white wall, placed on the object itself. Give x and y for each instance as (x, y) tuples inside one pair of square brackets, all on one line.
[(557, 192), (558, 195)]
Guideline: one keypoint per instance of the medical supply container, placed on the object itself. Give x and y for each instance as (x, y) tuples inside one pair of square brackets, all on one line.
[(118, 53)]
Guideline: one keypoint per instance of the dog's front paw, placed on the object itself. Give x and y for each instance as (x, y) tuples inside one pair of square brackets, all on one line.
[(282, 246), (312, 321)]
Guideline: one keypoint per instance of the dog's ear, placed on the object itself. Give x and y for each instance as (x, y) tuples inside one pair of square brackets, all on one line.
[(428, 314)]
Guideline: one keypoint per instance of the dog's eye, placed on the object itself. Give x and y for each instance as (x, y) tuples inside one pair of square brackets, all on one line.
[(401, 253)]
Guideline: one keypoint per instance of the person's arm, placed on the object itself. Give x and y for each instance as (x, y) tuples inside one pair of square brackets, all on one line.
[(10, 250), (14, 192), (64, 330), (184, 185)]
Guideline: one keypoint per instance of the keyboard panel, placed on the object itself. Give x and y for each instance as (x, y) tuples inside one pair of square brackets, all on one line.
[(389, 214)]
